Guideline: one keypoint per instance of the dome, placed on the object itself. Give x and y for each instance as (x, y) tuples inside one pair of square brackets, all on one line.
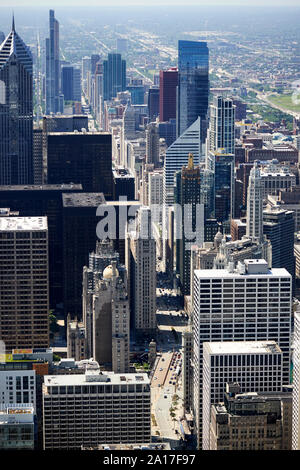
[(218, 236), (108, 272)]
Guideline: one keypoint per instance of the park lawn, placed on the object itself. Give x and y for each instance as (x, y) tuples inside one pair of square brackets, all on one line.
[(285, 101)]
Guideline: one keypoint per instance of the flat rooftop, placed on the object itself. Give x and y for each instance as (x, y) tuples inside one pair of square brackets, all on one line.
[(95, 377), (83, 199), (242, 347), (39, 187), (78, 133), (24, 224)]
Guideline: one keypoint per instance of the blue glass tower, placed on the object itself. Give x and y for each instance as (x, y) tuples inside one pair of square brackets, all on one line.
[(193, 83), (16, 111), (114, 75)]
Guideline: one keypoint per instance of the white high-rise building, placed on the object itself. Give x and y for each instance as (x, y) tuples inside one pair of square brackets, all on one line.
[(254, 227), (155, 194), (141, 269), (18, 386), (221, 128), (255, 365), (250, 303)]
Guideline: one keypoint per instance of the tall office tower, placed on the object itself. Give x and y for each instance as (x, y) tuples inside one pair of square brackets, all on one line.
[(168, 82), (155, 194), (80, 157), (104, 419), (255, 365), (221, 125), (296, 381), (24, 305), (45, 200), (251, 303), (79, 224), (254, 227), (67, 86), (76, 84), (279, 228), (114, 69), (37, 154), (17, 426), (190, 223), (124, 184), (177, 156), (153, 103), (16, 111), (152, 144), (221, 164), (251, 421), (98, 103), (103, 256), (141, 269), (95, 58), (193, 83), (111, 321), (137, 93), (167, 131), (85, 68), (52, 66)]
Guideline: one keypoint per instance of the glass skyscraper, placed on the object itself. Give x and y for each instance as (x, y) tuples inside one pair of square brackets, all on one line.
[(193, 83), (16, 111), (114, 75), (52, 66)]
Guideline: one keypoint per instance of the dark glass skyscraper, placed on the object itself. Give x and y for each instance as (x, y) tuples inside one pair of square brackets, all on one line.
[(168, 81), (52, 66), (193, 83), (114, 75), (16, 111)]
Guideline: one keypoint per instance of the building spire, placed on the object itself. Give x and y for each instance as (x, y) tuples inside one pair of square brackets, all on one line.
[(13, 23)]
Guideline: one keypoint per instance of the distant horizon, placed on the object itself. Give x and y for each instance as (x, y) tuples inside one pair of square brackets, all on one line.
[(139, 3)]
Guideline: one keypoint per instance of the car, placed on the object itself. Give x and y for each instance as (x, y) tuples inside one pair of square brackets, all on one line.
[(171, 368), (170, 382), (162, 358), (160, 369), (155, 378), (165, 396)]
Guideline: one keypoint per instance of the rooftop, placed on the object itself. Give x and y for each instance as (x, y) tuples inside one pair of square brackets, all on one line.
[(23, 224), (96, 377), (38, 187), (83, 199), (242, 347)]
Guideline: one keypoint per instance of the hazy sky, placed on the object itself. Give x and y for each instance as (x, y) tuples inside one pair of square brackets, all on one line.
[(149, 3)]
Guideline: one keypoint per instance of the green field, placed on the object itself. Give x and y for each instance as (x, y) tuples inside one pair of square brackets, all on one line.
[(285, 101)]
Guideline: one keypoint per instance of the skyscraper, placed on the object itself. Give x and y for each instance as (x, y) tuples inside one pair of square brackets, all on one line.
[(221, 124), (67, 78), (82, 157), (255, 365), (279, 228), (141, 269), (191, 220), (254, 227), (221, 164), (114, 75), (52, 66), (177, 156), (153, 103), (16, 111), (24, 302), (251, 303), (193, 83), (168, 81)]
